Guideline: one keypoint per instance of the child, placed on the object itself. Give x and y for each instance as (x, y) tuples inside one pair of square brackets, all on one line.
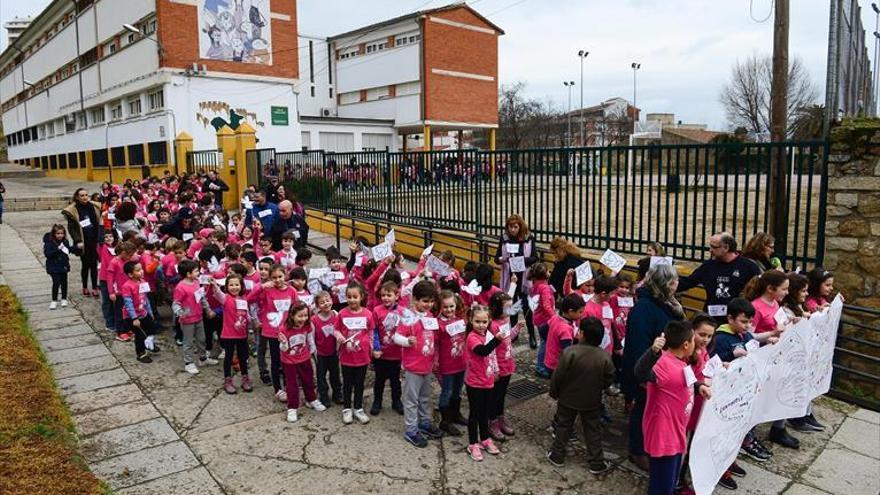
[(599, 308), (337, 266), (793, 305), (671, 387), (563, 330), (137, 311), (287, 256), (263, 266), (479, 378), (354, 331), (297, 343), (212, 269), (189, 303), (125, 252), (299, 279), (451, 361), (324, 322), (583, 372), (542, 304), (234, 334), (483, 274), (386, 354), (821, 286), (57, 249), (417, 334), (500, 310), (275, 298), (106, 252)]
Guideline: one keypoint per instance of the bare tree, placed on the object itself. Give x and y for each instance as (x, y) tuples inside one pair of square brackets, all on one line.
[(515, 113), (746, 97)]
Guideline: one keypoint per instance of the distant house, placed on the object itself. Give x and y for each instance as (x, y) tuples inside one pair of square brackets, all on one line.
[(684, 135)]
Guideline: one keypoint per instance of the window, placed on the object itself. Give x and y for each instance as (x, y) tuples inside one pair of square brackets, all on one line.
[(50, 130), (400, 41), (136, 154), (158, 153), (134, 107), (115, 111), (70, 124), (44, 162), (415, 38), (131, 38), (156, 100), (53, 162), (378, 93), (59, 127), (81, 121), (100, 159), (110, 48), (350, 97), (97, 115), (331, 92), (72, 160), (313, 91), (149, 27), (62, 161), (118, 155), (88, 58)]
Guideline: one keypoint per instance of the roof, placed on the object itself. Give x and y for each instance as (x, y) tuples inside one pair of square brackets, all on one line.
[(695, 135), (416, 15), (50, 10)]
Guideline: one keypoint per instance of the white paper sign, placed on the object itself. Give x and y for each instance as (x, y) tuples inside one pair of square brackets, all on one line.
[(625, 302), (85, 223), (511, 248), (583, 273), (689, 377), (241, 304), (781, 318), (613, 261), (308, 300), (248, 285), (64, 249), (247, 203), (438, 266), (391, 320), (660, 260), (144, 287), (316, 273), (712, 366), (340, 293), (429, 323), (752, 345), (199, 294), (473, 288), (504, 330), (264, 213), (205, 279), (718, 310), (517, 264), (607, 312), (390, 237), (355, 323), (282, 305), (427, 250), (381, 251), (455, 328), (111, 216), (327, 330), (187, 236), (488, 338)]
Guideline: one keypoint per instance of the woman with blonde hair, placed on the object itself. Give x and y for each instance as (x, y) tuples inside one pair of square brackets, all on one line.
[(566, 256), (760, 250), (516, 253)]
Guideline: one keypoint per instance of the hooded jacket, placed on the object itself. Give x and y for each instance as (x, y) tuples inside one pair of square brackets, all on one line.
[(57, 261), (726, 340)]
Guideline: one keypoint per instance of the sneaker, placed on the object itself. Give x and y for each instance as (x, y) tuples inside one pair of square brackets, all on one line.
[(229, 386), (754, 452), (346, 416), (555, 460), (542, 373), (291, 416), (317, 406), (246, 384), (782, 437), (123, 337), (281, 395), (505, 427), (265, 378), (815, 424), (801, 425), (416, 439), (361, 416), (599, 467), (728, 482), (64, 303), (763, 448), (475, 452), (613, 391), (376, 408), (53, 305), (495, 431), (191, 368), (736, 470), (145, 358), (178, 342), (489, 446), (397, 406), (429, 430), (209, 360), (85, 292)]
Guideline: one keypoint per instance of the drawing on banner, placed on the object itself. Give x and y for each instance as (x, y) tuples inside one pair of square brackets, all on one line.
[(824, 336), (235, 31), (785, 374), (733, 392)]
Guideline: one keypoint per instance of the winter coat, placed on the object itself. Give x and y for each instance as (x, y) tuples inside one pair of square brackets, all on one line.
[(57, 261)]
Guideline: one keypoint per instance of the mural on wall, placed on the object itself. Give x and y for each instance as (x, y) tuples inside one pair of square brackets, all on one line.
[(218, 113), (235, 31)]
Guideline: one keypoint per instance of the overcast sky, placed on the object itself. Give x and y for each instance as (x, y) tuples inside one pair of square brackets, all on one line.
[(686, 47)]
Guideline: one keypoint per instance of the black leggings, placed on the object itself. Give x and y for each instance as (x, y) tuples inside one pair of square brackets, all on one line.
[(274, 362), (89, 269), (59, 281), (496, 400), (239, 346), (213, 326), (478, 413), (141, 333), (353, 385), (386, 370)]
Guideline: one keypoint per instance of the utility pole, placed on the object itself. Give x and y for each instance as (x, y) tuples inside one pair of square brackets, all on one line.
[(582, 55), (569, 85), (778, 116)]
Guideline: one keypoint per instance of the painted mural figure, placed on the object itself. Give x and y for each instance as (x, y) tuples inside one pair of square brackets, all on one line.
[(235, 30)]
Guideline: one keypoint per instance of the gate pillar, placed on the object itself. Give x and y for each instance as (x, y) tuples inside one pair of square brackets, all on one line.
[(183, 144), (245, 140), (226, 169)]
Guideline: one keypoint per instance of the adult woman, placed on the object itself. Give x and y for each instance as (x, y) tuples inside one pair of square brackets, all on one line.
[(655, 307), (566, 256), (86, 229), (760, 250), (516, 253)]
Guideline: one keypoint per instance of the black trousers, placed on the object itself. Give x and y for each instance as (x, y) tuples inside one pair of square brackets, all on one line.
[(478, 413), (140, 334), (389, 370), (590, 422), (328, 365), (353, 386), (89, 268), (213, 326), (240, 347), (497, 397), (59, 281), (274, 362)]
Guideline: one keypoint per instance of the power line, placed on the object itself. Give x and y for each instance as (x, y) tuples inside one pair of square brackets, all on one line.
[(502, 9)]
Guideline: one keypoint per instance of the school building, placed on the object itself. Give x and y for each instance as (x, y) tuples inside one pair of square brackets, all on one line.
[(94, 89)]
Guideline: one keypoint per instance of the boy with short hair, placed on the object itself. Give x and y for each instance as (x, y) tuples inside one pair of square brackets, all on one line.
[(583, 372), (563, 329), (599, 308)]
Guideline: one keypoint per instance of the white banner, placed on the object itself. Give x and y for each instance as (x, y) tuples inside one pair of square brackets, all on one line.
[(773, 382)]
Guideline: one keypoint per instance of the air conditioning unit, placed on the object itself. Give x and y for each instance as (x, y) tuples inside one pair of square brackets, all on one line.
[(328, 112)]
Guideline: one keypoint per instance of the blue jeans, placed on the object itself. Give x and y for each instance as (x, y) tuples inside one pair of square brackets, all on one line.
[(107, 307), (542, 349), (450, 388), (663, 474), (1, 211)]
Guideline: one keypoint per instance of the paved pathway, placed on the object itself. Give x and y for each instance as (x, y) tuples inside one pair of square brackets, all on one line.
[(155, 429)]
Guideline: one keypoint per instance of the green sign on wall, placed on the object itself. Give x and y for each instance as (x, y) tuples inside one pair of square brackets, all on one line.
[(279, 116)]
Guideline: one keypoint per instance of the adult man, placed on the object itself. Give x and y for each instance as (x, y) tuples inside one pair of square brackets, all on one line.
[(287, 220), (267, 212), (271, 190), (216, 186), (724, 276)]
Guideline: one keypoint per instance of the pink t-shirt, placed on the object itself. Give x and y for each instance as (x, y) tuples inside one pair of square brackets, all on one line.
[(297, 344), (504, 351), (235, 318), (482, 298), (481, 371), (621, 314), (105, 257), (764, 320), (251, 281), (358, 327), (132, 289), (560, 329), (451, 342), (419, 358), (814, 303), (188, 295), (542, 294), (390, 350), (668, 409), (287, 259), (274, 306), (116, 276), (605, 314), (169, 267), (325, 342), (343, 282), (702, 358)]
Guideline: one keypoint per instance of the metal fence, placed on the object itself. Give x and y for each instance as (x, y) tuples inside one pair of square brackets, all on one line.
[(621, 198), (201, 162)]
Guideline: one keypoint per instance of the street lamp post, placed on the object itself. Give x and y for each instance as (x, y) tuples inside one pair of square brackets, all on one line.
[(635, 67), (582, 54), (874, 75), (569, 85)]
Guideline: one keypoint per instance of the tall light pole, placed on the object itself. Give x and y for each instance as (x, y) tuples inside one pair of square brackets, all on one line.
[(569, 85), (874, 68), (582, 54), (635, 67)]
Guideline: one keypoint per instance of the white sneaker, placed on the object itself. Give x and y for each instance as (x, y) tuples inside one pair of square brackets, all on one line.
[(53, 305), (346, 416), (210, 361), (191, 368), (281, 395), (317, 405), (361, 416), (291, 416), (64, 303), (221, 355)]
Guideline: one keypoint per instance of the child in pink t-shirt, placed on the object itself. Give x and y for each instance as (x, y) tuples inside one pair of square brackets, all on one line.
[(451, 361), (106, 252), (563, 329), (354, 332), (386, 354), (326, 359), (189, 303), (820, 287), (500, 308), (479, 379), (234, 334), (297, 344), (599, 308), (274, 299), (137, 311), (125, 251)]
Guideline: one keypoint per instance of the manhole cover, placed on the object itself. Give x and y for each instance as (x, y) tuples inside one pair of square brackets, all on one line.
[(523, 389)]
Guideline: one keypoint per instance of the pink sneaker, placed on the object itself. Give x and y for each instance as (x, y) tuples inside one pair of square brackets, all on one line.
[(475, 452), (505, 427), (246, 384), (490, 447), (229, 386), (495, 430)]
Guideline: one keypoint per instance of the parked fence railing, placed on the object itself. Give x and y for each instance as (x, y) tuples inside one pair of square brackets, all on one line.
[(619, 197)]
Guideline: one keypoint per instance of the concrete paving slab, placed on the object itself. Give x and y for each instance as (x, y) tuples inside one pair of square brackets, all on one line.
[(758, 481), (84, 366), (844, 471), (860, 436), (193, 481), (52, 314), (60, 333), (70, 342), (93, 381), (68, 355), (799, 489), (113, 417), (126, 439), (872, 417), (145, 465), (37, 325), (99, 399)]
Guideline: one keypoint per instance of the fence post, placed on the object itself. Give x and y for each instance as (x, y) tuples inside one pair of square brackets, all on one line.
[(183, 144), (478, 203), (386, 175)]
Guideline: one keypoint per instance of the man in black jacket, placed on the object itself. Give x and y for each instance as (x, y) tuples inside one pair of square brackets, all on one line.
[(216, 186), (288, 220)]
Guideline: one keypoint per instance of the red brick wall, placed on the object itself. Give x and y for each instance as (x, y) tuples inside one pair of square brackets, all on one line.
[(458, 99), (178, 31)]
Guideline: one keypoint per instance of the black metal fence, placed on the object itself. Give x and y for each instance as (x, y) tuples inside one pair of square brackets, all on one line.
[(201, 162), (622, 197)]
